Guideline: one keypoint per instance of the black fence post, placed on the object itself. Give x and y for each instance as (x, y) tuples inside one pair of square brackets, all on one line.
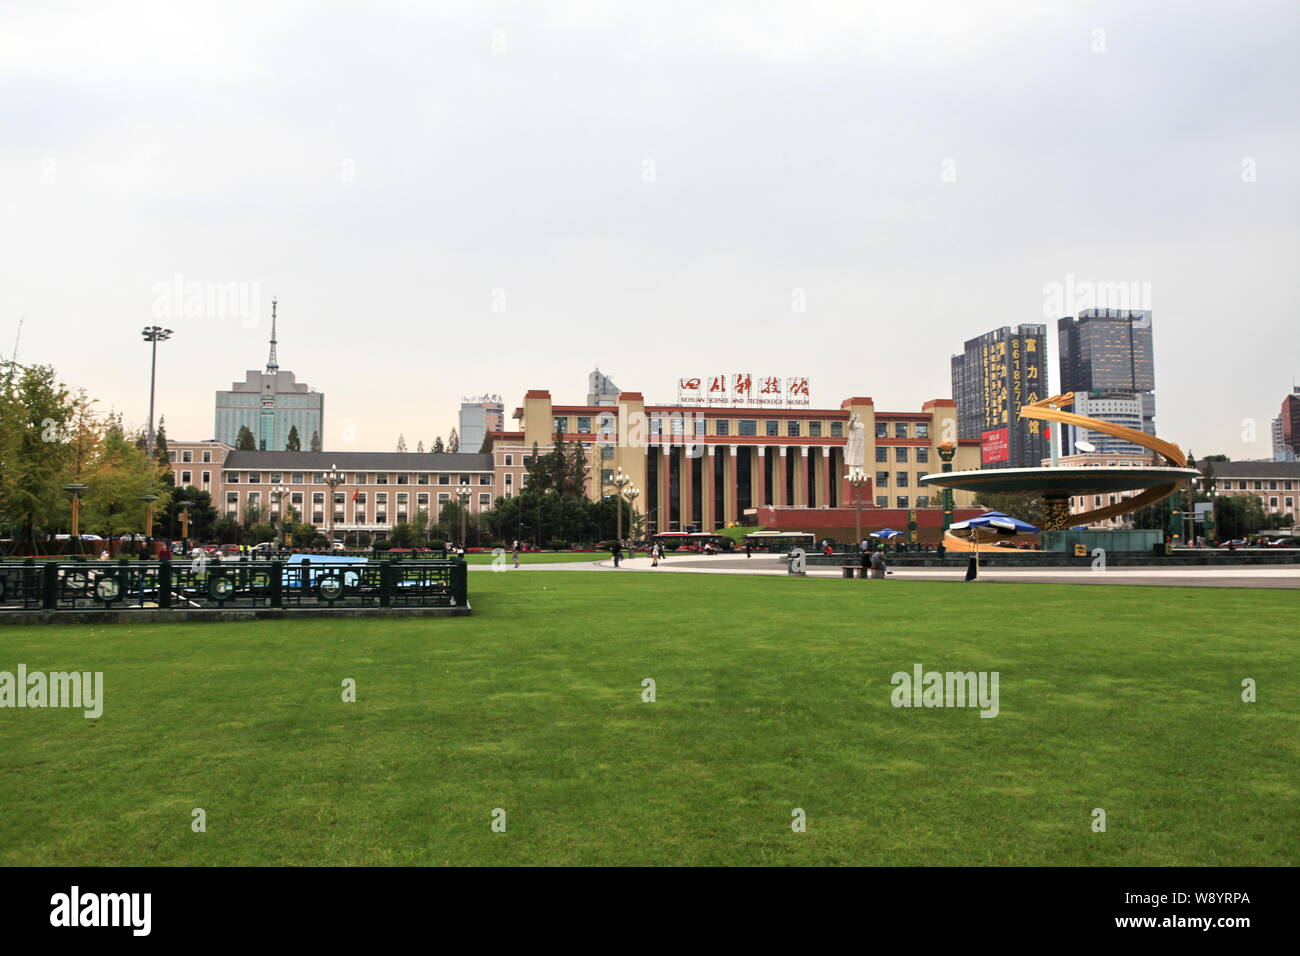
[(277, 584), (386, 584), (165, 583), (460, 583), (50, 587)]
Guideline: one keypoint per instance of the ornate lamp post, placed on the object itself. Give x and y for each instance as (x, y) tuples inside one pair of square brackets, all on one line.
[(277, 496), (153, 334), (148, 520), (75, 490), (463, 495), (947, 450), (184, 509), (332, 479), (631, 494), (620, 481)]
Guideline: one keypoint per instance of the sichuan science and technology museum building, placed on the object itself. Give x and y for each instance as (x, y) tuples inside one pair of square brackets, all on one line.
[(704, 468)]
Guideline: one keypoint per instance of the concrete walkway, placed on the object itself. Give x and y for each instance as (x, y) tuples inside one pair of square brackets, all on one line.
[(1219, 577)]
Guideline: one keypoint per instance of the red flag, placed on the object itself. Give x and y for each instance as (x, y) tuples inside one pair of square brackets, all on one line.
[(1047, 432), (355, 493)]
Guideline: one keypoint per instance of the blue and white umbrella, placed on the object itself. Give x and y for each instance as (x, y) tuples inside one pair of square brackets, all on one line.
[(886, 533), (993, 524)]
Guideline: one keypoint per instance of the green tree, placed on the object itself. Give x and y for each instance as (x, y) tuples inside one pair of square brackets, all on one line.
[(437, 447), (453, 442), (294, 441), (1023, 505), (202, 515), (37, 457), (160, 445), (315, 441), (117, 482), (252, 514), (245, 441)]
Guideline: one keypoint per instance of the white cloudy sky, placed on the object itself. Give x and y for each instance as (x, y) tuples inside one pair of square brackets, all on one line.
[(383, 167)]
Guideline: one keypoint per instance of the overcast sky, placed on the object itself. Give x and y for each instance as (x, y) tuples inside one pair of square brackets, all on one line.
[(454, 198)]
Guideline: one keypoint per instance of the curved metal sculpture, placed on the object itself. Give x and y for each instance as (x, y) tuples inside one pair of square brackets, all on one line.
[(1049, 409)]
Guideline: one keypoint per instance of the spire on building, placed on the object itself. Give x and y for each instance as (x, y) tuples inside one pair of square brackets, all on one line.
[(272, 364)]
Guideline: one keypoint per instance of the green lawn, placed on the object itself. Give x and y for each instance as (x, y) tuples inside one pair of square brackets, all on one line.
[(540, 557), (772, 694)]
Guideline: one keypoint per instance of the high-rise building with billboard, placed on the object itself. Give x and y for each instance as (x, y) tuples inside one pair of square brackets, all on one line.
[(270, 404), (995, 375)]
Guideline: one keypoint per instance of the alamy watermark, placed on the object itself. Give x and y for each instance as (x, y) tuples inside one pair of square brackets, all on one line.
[(77, 689), (922, 688)]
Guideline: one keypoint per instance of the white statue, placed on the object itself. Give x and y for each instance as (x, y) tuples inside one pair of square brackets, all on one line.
[(855, 449)]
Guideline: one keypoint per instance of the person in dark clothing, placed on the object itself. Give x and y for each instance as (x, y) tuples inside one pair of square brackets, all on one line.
[(618, 553)]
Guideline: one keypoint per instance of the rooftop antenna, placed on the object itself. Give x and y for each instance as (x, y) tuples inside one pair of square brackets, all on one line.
[(272, 365), (18, 338)]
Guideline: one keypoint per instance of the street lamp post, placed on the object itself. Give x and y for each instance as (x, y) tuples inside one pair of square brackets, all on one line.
[(148, 520), (463, 493), (184, 509), (332, 479), (277, 496), (74, 543), (946, 452), (631, 494), (153, 334), (620, 481)]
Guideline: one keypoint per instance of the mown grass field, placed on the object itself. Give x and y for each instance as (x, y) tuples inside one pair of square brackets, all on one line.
[(772, 694)]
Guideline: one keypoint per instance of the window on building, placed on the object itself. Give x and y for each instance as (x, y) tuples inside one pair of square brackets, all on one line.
[(443, 498), (318, 478), (444, 479), (231, 477), (484, 501), (361, 497), (360, 518), (882, 501), (464, 479), (900, 479), (317, 517), (381, 479), (902, 501), (837, 429), (276, 477), (297, 478), (422, 479), (381, 517), (922, 431), (748, 426), (254, 477), (422, 499), (485, 479), (923, 501), (510, 461), (296, 497), (509, 479), (723, 427), (318, 497), (402, 498), (882, 453), (207, 457), (900, 429), (403, 479), (187, 457), (793, 429), (882, 429), (814, 429), (186, 478), (207, 477), (381, 497), (882, 479), (232, 497), (607, 451), (171, 457), (656, 426), (923, 455), (901, 453), (584, 424)]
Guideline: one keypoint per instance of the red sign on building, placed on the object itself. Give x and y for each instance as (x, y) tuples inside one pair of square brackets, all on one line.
[(995, 446)]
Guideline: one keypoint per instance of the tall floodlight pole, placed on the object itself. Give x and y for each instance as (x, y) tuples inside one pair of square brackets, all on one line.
[(620, 481), (153, 334)]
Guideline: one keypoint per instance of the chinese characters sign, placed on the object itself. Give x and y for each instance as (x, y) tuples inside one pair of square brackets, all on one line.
[(743, 390)]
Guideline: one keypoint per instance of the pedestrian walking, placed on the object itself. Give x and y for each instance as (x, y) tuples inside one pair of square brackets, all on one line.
[(618, 552), (655, 550), (515, 551)]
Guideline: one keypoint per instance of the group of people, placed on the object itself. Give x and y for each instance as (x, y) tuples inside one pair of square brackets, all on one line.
[(656, 552)]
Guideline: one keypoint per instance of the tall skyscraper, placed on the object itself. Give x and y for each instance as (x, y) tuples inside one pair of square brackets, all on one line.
[(479, 415), (270, 404), (1286, 428), (1108, 354), (995, 375)]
